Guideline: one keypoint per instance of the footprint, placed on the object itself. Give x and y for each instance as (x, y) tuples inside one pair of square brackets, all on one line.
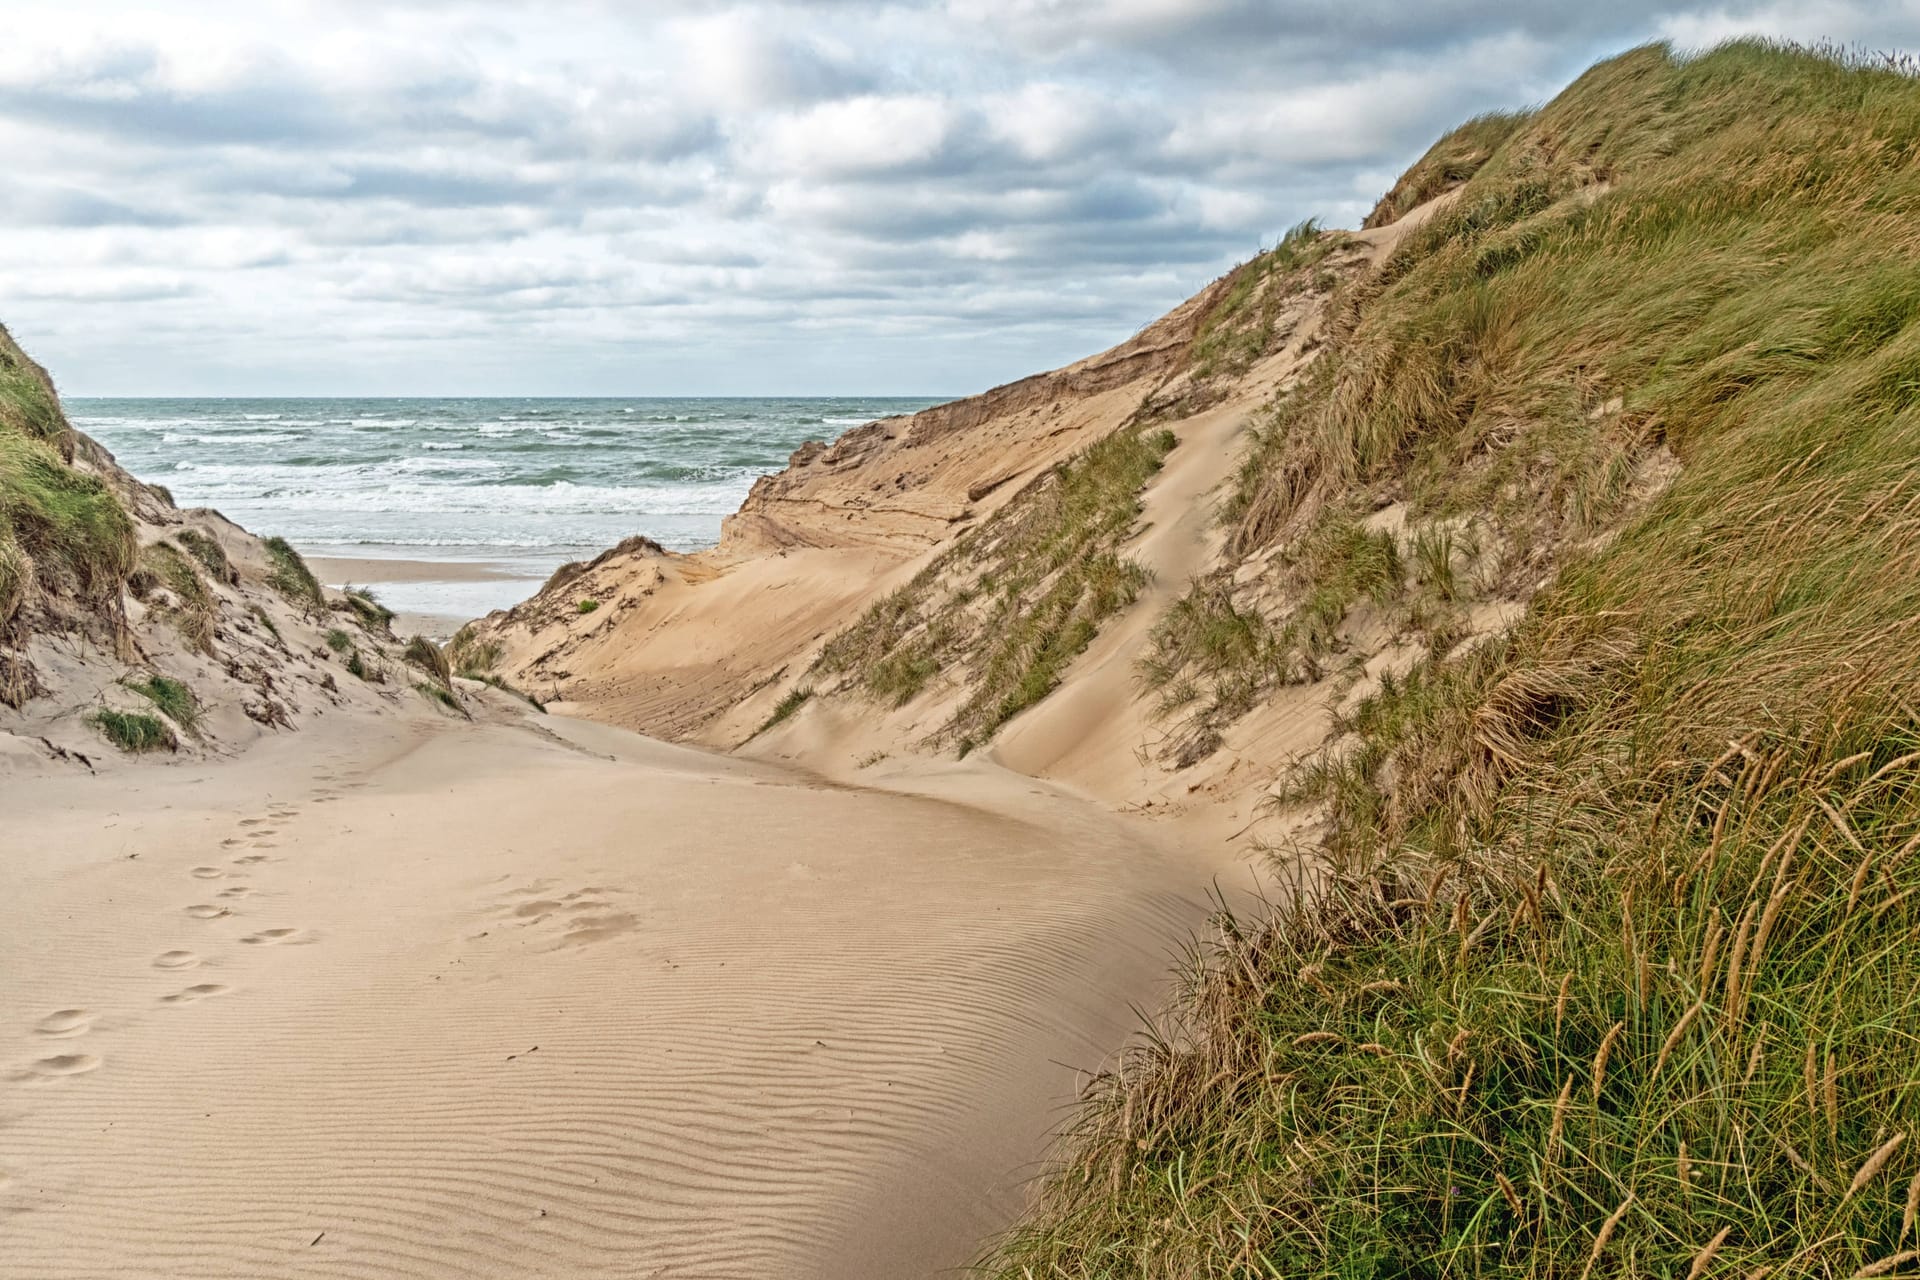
[(269, 937), (199, 991), (65, 1022), (234, 891), (253, 822), (207, 873), (175, 960), (64, 1064), (207, 911), (250, 859)]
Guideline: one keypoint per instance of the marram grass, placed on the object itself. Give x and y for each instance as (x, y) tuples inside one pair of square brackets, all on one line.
[(1609, 962)]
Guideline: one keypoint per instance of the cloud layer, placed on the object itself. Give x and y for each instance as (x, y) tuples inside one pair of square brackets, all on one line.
[(593, 197)]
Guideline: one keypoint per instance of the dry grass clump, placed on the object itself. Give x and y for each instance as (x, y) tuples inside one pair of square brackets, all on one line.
[(430, 658), (1610, 968), (1009, 606), (367, 610), (471, 656), (193, 610), (1448, 163)]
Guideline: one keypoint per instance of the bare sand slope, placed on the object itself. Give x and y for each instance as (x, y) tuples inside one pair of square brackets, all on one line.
[(393, 999)]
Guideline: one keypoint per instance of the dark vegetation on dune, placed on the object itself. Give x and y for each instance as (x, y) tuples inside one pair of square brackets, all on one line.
[(1608, 963)]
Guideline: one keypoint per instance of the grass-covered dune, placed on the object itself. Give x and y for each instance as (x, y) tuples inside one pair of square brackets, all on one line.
[(1612, 969), (62, 530)]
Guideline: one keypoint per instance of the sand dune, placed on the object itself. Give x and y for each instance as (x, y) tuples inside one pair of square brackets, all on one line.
[(413, 1000)]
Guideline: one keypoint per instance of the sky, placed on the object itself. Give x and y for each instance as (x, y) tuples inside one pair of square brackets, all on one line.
[(660, 197)]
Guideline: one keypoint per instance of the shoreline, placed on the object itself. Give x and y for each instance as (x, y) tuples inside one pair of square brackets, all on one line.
[(433, 598)]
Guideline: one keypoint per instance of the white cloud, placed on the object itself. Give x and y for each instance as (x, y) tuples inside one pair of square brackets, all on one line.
[(315, 196)]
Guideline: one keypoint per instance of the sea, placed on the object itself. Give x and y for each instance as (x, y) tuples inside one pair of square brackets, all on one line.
[(511, 487)]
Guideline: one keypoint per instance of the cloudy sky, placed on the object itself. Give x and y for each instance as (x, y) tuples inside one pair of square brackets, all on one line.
[(660, 197)]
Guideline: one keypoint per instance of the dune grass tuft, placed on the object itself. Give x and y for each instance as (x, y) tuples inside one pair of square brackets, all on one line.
[(290, 576), (194, 611), (471, 656), (134, 732), (208, 551), (428, 657), (173, 698), (794, 699), (366, 608), (494, 681), (1605, 966), (442, 697)]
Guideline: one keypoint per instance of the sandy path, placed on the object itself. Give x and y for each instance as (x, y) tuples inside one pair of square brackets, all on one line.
[(458, 1001)]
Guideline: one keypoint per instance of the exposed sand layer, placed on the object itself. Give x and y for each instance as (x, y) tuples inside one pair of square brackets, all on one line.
[(406, 998)]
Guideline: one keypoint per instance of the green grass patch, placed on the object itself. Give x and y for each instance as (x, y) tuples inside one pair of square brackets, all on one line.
[(173, 698), (339, 641), (61, 525), (289, 575), (1212, 658), (587, 606), (134, 732)]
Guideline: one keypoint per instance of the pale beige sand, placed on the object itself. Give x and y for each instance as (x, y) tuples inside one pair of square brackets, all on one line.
[(409, 998), (340, 570)]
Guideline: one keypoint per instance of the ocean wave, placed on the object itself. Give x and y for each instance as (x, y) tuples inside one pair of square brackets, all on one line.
[(229, 437)]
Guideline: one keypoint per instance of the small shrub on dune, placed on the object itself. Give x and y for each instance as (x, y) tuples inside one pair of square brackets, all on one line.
[(587, 606)]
